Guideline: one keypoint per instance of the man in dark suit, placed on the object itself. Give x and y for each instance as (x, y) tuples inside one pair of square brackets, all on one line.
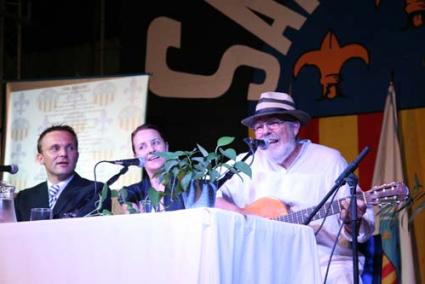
[(65, 191)]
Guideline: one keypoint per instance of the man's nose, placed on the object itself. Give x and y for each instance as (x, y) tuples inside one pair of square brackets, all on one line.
[(62, 152), (266, 129)]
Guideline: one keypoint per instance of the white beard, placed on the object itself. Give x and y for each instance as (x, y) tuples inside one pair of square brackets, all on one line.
[(279, 154)]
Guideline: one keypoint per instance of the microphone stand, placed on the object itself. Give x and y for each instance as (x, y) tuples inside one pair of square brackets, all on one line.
[(348, 177), (229, 174), (352, 183), (116, 176)]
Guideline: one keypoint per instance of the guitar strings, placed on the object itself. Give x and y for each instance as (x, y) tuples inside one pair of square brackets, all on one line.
[(327, 213)]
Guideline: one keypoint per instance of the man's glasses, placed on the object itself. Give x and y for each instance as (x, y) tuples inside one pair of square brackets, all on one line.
[(272, 124)]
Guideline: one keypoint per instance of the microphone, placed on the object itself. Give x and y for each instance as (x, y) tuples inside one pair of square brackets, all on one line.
[(12, 169), (139, 162), (353, 165), (262, 143)]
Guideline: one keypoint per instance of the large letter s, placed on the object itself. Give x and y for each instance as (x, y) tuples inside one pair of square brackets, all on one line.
[(165, 32)]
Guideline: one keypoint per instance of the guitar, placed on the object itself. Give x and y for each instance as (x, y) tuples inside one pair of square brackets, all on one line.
[(387, 194)]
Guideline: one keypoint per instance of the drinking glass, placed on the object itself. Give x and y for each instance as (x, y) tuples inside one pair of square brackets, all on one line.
[(41, 214), (145, 206), (7, 207)]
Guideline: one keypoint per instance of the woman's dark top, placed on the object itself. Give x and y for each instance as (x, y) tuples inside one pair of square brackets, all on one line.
[(139, 191)]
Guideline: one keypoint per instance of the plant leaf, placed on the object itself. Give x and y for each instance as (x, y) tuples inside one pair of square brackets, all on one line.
[(243, 167), (186, 181), (122, 194), (200, 167), (214, 175), (154, 196), (225, 140), (168, 155), (114, 193), (211, 157), (230, 168), (202, 150), (130, 208), (104, 193), (175, 172), (106, 212), (198, 159), (229, 153), (183, 163), (169, 164)]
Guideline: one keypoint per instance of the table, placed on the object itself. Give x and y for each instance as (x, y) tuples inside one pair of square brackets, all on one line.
[(203, 245)]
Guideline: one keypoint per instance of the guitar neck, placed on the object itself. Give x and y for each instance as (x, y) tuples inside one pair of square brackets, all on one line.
[(301, 216), (384, 195)]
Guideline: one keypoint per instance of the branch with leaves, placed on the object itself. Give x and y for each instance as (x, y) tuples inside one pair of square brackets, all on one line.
[(181, 168)]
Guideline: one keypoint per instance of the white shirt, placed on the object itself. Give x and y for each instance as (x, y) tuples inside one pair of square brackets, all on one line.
[(303, 185)]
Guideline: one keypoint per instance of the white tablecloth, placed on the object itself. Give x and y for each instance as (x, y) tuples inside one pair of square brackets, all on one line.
[(201, 245)]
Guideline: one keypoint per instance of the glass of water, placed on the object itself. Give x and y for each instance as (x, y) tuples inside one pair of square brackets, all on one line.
[(40, 214), (7, 205), (145, 206)]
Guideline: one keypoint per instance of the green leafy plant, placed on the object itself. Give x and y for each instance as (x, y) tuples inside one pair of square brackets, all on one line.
[(99, 211), (180, 169), (183, 167), (118, 194)]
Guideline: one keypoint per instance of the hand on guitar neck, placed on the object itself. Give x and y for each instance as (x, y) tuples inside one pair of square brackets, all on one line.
[(346, 213), (275, 209)]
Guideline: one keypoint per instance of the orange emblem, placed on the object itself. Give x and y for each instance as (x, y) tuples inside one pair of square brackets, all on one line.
[(329, 59), (416, 11)]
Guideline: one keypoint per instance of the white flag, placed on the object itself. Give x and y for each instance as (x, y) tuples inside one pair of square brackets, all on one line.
[(388, 168)]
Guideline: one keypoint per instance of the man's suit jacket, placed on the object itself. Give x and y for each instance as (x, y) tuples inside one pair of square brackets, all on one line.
[(78, 197)]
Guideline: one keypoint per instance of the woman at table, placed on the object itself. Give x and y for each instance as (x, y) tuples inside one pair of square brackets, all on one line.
[(146, 140)]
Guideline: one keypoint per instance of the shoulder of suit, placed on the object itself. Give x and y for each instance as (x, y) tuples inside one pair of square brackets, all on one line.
[(83, 181), (31, 190)]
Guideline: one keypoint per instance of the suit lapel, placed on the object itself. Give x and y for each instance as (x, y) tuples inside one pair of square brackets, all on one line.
[(67, 196)]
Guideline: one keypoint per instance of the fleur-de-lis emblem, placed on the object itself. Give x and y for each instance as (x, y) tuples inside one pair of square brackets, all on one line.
[(329, 59), (416, 11)]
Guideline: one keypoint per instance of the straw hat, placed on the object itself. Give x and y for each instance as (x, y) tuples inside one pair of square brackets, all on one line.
[(275, 103)]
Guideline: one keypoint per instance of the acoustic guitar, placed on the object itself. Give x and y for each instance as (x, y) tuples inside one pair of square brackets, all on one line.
[(387, 194)]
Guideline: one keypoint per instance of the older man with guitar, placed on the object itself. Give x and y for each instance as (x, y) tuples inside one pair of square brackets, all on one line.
[(290, 175)]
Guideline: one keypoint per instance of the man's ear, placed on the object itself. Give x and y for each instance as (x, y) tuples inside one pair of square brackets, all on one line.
[(40, 159), (296, 126), (166, 146)]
